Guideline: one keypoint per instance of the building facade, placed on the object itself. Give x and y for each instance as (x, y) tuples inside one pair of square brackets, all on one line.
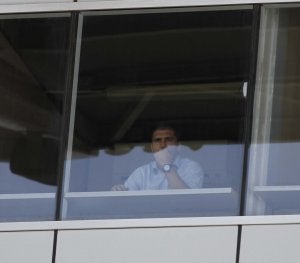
[(84, 85)]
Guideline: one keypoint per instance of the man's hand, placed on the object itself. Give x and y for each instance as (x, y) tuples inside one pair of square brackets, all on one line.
[(165, 156), (119, 187)]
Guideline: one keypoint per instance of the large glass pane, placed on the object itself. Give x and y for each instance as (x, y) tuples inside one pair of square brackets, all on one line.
[(159, 122), (32, 85), (274, 178)]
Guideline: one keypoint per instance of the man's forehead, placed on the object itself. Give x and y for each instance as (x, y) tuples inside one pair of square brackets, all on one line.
[(163, 133)]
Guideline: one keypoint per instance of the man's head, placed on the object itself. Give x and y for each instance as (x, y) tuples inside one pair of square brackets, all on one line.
[(163, 137)]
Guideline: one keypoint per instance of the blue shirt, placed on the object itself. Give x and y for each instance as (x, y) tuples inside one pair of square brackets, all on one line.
[(150, 177)]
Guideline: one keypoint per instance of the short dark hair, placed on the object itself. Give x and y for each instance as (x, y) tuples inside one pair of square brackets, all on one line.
[(165, 126)]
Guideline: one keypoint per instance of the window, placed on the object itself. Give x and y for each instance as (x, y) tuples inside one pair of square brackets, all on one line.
[(143, 69), (274, 178), (34, 49), (158, 115)]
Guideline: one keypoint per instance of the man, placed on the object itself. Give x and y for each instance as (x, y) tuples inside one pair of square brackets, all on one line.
[(168, 170)]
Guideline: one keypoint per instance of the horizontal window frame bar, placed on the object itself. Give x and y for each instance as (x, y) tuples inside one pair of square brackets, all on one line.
[(35, 15), (138, 4), (159, 9), (149, 223), (23, 196), (129, 4), (90, 7), (281, 5), (173, 192)]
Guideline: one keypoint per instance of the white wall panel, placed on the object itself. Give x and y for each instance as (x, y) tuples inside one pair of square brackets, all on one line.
[(31, 246), (270, 243), (148, 245)]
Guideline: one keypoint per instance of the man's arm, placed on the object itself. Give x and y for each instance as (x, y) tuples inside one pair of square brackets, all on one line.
[(174, 180), (165, 157), (133, 182), (191, 173)]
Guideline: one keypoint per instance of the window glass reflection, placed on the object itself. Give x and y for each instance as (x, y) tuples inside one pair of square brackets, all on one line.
[(159, 115), (273, 184), (32, 77)]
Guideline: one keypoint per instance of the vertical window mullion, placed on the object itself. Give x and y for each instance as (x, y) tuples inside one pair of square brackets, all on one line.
[(68, 108), (250, 100)]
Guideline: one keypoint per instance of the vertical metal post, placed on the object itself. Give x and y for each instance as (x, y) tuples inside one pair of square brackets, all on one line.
[(68, 118)]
